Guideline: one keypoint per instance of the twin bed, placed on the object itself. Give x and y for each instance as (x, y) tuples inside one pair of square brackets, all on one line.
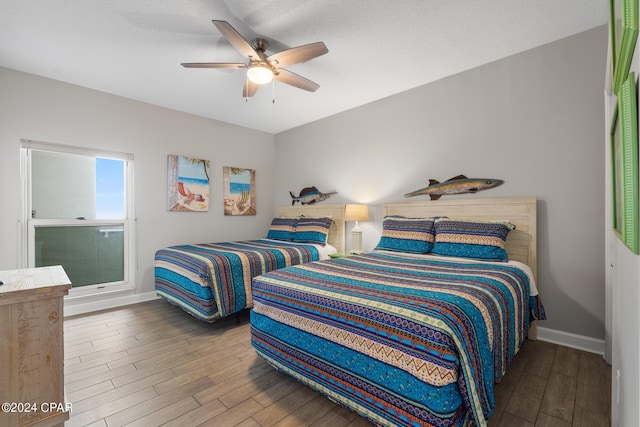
[(401, 336), (213, 280)]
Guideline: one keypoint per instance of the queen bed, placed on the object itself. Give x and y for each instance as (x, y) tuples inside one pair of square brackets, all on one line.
[(213, 280), (405, 337)]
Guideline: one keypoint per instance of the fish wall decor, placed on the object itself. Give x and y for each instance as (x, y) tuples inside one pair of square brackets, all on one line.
[(457, 185), (310, 195)]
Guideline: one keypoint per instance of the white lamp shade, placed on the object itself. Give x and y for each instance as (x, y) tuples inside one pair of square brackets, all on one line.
[(356, 213)]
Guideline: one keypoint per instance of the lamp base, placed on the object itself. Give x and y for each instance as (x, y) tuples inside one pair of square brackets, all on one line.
[(356, 241)]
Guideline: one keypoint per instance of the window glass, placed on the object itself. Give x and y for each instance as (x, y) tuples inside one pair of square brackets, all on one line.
[(68, 186), (90, 255), (109, 189)]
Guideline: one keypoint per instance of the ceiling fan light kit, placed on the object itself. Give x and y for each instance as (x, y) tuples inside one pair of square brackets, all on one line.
[(262, 69), (260, 74)]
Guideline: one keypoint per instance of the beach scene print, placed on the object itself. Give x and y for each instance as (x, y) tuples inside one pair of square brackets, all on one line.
[(239, 191), (188, 184)]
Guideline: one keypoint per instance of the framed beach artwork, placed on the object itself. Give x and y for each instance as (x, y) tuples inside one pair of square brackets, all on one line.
[(187, 184), (239, 191)]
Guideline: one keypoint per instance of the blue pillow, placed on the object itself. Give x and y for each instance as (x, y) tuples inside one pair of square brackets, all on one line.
[(282, 229), (401, 234), (312, 230), (485, 240)]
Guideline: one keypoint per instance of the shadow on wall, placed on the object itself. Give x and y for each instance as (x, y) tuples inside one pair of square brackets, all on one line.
[(562, 308)]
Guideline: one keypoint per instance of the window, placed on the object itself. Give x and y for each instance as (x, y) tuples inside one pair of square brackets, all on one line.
[(78, 213)]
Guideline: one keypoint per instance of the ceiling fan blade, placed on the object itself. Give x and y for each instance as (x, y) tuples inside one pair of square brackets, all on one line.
[(236, 39), (213, 65), (293, 79), (250, 88), (298, 54)]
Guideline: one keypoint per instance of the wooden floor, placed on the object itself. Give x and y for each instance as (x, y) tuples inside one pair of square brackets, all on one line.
[(151, 364)]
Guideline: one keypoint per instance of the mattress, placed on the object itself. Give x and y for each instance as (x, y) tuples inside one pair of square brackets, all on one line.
[(402, 340), (213, 280)]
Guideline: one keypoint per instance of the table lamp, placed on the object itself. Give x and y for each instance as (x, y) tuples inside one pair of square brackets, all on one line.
[(356, 213)]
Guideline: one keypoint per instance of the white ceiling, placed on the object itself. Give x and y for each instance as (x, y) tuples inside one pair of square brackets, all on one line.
[(134, 48)]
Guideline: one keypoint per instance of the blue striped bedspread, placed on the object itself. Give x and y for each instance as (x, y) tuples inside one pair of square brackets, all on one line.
[(400, 340), (213, 280)]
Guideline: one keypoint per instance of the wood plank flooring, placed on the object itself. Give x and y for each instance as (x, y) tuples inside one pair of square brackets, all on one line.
[(151, 364)]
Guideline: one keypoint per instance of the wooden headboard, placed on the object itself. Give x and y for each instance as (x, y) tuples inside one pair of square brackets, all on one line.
[(520, 211), (336, 236)]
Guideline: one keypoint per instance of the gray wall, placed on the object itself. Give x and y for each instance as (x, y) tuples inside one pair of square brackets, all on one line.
[(534, 120), (46, 110)]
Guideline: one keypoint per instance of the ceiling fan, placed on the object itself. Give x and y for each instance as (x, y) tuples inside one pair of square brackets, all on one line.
[(261, 68)]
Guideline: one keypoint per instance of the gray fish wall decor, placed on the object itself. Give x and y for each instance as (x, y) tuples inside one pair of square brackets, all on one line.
[(309, 195), (457, 185)]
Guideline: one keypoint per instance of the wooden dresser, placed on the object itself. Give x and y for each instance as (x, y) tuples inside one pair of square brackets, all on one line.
[(32, 347)]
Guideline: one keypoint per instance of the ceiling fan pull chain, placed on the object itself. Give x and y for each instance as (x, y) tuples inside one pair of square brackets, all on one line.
[(273, 91)]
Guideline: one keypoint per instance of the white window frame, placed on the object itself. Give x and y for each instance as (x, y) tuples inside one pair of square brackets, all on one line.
[(28, 224)]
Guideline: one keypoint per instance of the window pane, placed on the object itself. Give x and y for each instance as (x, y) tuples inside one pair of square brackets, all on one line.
[(109, 189), (63, 185), (66, 186), (89, 254)]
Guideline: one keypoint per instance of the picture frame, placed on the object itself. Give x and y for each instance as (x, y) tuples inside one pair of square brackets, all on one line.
[(616, 174), (187, 184), (624, 157), (239, 191), (612, 41), (624, 33)]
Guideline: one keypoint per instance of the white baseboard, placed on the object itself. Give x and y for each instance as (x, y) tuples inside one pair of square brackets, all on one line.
[(567, 339), (74, 308)]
